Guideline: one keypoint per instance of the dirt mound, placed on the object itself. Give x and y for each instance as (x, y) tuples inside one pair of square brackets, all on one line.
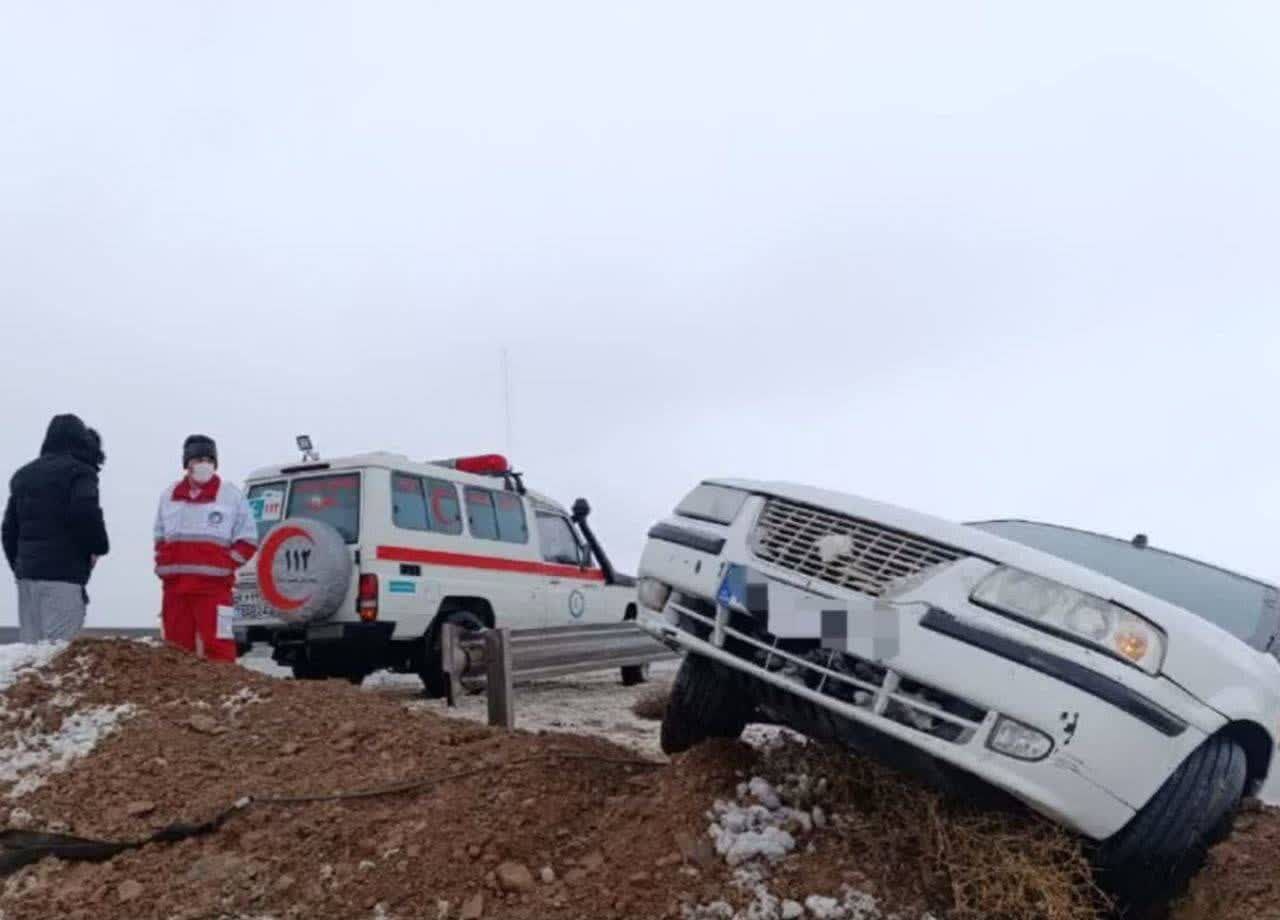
[(891, 836), (1239, 881), (201, 736), (515, 825)]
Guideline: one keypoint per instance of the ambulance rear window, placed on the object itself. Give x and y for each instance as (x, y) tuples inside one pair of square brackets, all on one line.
[(266, 501), (335, 500)]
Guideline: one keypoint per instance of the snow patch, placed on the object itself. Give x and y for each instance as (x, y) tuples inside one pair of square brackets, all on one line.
[(16, 659), (245, 696), (757, 829), (29, 757), (757, 825)]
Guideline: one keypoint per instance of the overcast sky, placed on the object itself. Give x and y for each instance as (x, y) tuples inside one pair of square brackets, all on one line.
[(977, 259)]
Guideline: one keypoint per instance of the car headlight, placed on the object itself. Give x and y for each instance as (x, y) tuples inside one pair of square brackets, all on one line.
[(1058, 608), (718, 504)]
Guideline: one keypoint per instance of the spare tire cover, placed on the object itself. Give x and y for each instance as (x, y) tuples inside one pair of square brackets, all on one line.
[(304, 570)]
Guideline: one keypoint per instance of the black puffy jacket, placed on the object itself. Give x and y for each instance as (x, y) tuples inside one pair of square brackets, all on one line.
[(53, 522)]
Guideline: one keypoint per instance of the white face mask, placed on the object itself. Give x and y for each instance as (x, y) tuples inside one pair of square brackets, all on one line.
[(202, 472)]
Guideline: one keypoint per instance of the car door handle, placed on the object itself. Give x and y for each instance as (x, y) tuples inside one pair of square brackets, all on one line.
[(554, 581)]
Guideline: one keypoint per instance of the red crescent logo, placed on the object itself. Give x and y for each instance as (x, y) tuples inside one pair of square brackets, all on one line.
[(266, 566)]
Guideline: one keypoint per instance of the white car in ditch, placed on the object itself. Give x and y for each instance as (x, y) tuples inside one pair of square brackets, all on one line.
[(1128, 693)]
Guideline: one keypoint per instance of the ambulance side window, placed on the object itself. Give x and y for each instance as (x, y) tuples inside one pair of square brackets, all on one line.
[(512, 525), (442, 506), (424, 504), (408, 504), (557, 539), (496, 516), (482, 520)]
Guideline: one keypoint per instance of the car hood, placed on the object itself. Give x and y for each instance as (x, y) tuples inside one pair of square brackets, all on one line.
[(1198, 655)]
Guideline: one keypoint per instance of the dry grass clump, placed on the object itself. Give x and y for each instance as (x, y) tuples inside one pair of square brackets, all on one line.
[(652, 704), (1239, 881), (966, 859)]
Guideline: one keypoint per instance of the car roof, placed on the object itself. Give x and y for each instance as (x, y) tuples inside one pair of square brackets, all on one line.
[(396, 463)]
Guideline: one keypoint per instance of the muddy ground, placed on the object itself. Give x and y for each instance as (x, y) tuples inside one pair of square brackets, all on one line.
[(519, 825)]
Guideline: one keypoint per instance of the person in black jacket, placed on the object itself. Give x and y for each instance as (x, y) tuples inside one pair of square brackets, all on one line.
[(91, 451), (53, 532)]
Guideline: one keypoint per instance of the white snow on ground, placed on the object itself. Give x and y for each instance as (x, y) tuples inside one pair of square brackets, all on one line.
[(28, 755), (15, 659), (761, 826), (240, 699), (585, 704), (595, 703)]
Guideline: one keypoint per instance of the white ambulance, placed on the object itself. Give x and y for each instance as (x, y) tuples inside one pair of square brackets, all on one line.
[(362, 559)]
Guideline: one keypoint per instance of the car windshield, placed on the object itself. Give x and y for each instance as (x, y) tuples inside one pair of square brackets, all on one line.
[(1237, 604)]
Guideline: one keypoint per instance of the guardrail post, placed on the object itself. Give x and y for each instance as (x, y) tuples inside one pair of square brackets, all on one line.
[(497, 653), (451, 661)]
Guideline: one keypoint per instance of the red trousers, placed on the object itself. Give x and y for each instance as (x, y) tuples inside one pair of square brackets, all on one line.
[(190, 622)]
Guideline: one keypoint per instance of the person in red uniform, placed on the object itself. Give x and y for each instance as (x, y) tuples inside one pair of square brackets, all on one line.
[(204, 531)]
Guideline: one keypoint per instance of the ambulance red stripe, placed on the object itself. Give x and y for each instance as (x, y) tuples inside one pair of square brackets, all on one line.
[(489, 563)]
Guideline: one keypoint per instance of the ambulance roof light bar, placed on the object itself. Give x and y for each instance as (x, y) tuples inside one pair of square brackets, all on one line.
[(486, 465)]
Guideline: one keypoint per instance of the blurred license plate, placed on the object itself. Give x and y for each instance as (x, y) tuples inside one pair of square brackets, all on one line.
[(251, 609)]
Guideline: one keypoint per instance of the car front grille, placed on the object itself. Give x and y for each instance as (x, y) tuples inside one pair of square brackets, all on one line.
[(841, 550)]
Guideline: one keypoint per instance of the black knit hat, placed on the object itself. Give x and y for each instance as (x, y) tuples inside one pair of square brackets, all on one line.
[(197, 446)]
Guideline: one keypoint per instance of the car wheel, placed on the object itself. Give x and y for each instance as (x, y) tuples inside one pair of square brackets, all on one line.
[(634, 674), (305, 670), (1156, 853), (707, 701), (434, 681)]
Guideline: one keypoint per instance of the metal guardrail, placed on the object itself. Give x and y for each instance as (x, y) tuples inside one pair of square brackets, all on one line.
[(9, 634), (499, 657)]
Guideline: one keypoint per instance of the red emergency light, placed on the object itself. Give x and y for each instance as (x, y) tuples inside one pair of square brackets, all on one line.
[(484, 464)]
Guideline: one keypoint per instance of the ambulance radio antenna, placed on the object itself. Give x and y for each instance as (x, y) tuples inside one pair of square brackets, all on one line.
[(506, 395)]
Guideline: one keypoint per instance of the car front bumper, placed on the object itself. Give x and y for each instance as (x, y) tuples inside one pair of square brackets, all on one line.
[(945, 672)]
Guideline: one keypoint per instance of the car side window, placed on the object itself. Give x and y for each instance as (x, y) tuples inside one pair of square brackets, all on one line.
[(496, 515), (424, 504), (513, 527), (442, 506), (408, 503), (482, 519), (557, 539)]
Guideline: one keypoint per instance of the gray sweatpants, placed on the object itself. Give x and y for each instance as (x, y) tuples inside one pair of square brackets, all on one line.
[(49, 611)]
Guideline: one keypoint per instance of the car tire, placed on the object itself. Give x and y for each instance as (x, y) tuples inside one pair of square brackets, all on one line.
[(434, 681), (1155, 854), (305, 670), (634, 674), (707, 701)]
